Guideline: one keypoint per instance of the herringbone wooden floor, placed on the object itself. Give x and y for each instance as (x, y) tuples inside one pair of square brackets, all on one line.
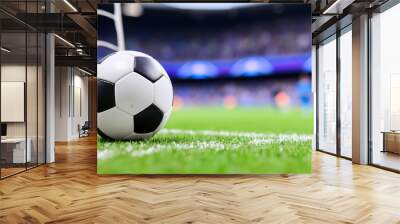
[(70, 191)]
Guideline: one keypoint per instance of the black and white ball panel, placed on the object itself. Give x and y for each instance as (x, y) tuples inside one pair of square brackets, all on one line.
[(134, 96), (102, 134), (164, 120), (133, 93), (105, 57), (105, 95), (148, 120), (148, 68), (163, 94), (115, 67), (119, 123)]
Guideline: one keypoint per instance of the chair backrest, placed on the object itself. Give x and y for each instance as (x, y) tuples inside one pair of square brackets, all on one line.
[(86, 125)]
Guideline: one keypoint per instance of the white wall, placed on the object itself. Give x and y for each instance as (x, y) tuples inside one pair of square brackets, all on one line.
[(12, 73), (33, 125), (62, 81), (80, 84), (69, 82), (17, 73), (12, 100)]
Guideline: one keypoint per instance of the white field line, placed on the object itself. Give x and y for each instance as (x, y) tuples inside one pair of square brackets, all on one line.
[(104, 154), (251, 138), (280, 137), (198, 145)]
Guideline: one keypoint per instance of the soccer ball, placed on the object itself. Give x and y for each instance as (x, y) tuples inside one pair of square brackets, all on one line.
[(134, 96)]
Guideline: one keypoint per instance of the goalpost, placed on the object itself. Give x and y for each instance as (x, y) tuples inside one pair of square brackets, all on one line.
[(116, 16)]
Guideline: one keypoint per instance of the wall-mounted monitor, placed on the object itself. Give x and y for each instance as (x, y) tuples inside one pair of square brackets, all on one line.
[(3, 129), (12, 101)]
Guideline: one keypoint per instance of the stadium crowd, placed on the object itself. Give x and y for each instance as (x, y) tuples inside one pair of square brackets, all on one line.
[(285, 92), (227, 37), (281, 37)]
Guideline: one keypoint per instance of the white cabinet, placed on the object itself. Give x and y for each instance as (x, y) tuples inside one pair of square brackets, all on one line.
[(19, 155)]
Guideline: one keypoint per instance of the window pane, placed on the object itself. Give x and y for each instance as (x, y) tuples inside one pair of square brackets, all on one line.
[(385, 84), (327, 96), (14, 153), (31, 96), (41, 99), (346, 94)]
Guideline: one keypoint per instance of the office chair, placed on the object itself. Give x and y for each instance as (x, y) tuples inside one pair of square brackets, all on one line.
[(84, 130)]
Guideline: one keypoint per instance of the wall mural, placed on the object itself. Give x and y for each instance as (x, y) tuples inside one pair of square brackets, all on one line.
[(204, 88)]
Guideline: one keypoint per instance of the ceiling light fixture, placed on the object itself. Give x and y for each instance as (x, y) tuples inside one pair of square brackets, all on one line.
[(64, 40), (70, 5), (337, 7), (79, 51), (333, 6), (84, 71), (5, 50)]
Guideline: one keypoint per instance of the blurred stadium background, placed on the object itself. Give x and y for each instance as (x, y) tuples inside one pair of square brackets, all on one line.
[(242, 89), (235, 55)]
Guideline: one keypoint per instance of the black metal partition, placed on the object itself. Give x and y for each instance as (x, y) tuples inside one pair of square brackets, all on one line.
[(23, 88), (332, 37), (377, 156)]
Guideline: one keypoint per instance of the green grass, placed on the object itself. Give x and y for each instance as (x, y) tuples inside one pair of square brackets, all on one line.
[(176, 151), (253, 119)]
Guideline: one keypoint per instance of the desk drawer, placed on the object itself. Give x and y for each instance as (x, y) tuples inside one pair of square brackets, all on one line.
[(6, 154), (392, 142), (15, 152)]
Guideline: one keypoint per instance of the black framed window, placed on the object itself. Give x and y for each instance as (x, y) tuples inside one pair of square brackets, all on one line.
[(326, 90), (334, 92), (22, 77), (384, 87), (345, 92)]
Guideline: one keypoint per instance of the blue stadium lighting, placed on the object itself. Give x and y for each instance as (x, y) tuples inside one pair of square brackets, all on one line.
[(197, 70), (252, 66), (244, 67), (307, 65)]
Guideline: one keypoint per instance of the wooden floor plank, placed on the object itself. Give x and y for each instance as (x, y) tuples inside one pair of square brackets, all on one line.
[(70, 191)]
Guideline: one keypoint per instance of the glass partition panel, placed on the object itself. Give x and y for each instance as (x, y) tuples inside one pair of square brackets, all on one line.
[(31, 98), (385, 89), (346, 93), (327, 96), (22, 67), (41, 98), (15, 151)]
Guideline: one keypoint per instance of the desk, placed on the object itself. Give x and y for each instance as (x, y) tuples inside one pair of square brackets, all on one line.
[(391, 141), (15, 148)]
